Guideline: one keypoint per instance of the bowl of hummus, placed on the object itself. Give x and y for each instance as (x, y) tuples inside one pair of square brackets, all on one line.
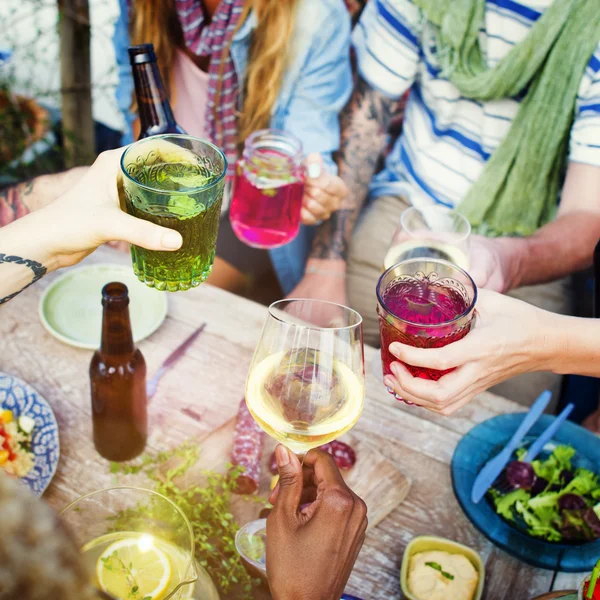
[(435, 568)]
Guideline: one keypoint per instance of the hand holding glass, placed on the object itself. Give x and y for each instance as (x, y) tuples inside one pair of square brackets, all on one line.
[(306, 385)]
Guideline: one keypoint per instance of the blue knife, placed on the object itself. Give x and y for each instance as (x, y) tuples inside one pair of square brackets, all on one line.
[(493, 468), (548, 434)]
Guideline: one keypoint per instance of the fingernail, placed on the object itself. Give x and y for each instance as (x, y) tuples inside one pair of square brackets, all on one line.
[(282, 455), (314, 170), (171, 240), (395, 367), (395, 348), (389, 383)]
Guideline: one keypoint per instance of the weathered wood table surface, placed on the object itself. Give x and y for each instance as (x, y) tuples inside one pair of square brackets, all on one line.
[(203, 392)]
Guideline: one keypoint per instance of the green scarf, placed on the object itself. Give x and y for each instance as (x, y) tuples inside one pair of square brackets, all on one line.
[(517, 191)]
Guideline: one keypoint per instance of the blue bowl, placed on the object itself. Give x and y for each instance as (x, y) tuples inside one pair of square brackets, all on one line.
[(485, 441), (23, 400)]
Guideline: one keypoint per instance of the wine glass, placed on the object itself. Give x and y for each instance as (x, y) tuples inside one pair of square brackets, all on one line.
[(136, 538), (433, 231), (306, 385)]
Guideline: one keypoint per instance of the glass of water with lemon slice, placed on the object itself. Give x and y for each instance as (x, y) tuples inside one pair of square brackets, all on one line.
[(137, 545)]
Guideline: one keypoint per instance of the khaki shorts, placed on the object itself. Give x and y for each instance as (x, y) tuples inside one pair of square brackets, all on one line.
[(368, 248)]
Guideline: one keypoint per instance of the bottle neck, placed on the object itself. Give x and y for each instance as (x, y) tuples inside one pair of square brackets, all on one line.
[(117, 338), (116, 326), (154, 108)]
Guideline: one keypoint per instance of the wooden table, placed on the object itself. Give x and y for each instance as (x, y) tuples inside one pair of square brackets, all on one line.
[(204, 392)]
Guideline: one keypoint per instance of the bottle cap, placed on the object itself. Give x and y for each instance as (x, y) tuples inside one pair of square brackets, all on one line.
[(144, 53), (115, 294)]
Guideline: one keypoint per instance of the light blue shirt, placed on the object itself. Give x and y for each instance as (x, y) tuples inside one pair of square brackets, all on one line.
[(316, 86)]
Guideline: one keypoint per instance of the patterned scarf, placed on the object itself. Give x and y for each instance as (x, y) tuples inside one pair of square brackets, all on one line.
[(209, 40)]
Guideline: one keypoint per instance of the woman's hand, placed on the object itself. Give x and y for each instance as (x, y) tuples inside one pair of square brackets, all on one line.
[(509, 337), (88, 215), (311, 552), (323, 192)]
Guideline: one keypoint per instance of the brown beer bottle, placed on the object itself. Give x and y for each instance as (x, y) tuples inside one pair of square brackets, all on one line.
[(154, 110), (118, 381)]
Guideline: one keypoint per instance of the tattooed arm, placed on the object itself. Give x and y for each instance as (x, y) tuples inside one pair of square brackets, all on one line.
[(18, 200), (365, 121), (25, 255)]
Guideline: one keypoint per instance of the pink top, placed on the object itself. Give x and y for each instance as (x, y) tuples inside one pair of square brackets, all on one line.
[(191, 94)]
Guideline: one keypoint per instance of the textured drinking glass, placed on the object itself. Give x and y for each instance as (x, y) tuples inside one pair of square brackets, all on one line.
[(424, 303), (434, 232), (121, 526), (268, 189), (175, 181)]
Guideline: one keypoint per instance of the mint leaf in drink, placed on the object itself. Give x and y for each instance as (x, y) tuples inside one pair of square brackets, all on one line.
[(185, 206), (190, 181)]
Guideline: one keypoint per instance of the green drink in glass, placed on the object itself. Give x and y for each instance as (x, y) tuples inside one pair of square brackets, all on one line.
[(175, 181)]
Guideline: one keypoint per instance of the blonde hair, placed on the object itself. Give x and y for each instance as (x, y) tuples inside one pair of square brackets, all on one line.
[(38, 559), (156, 22)]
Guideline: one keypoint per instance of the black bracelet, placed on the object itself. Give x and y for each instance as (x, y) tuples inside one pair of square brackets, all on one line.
[(38, 271)]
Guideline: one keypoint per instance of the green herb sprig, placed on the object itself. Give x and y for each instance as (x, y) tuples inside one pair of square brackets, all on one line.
[(115, 563), (438, 567), (208, 510)]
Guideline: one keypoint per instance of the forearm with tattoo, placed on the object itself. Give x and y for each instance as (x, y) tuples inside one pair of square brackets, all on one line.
[(18, 200), (37, 270), (364, 124)]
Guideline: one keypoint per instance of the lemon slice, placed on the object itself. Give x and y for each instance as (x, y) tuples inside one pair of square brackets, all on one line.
[(134, 568)]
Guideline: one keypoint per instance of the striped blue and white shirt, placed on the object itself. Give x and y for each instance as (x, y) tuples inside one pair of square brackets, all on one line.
[(446, 138)]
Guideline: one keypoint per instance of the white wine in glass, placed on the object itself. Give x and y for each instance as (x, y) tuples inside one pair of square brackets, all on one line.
[(306, 382)]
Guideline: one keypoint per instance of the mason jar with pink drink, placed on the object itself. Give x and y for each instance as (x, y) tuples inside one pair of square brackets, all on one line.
[(268, 189)]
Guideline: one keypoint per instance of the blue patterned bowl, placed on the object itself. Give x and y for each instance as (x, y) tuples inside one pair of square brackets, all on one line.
[(23, 400)]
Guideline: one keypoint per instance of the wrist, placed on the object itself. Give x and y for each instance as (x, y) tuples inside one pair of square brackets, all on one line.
[(514, 251), (552, 342), (324, 266), (25, 240)]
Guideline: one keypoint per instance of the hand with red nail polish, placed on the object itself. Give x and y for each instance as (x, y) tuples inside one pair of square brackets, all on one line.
[(311, 551)]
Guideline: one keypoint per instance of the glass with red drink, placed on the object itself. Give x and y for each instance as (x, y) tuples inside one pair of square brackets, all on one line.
[(268, 189), (426, 303)]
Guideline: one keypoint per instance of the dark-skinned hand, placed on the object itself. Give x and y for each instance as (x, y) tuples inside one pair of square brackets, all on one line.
[(311, 551)]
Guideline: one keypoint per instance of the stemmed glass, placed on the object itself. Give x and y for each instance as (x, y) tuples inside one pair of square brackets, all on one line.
[(137, 543), (306, 385), (434, 232)]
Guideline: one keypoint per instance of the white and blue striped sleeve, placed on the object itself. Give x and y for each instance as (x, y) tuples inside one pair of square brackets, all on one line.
[(585, 132), (387, 45)]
